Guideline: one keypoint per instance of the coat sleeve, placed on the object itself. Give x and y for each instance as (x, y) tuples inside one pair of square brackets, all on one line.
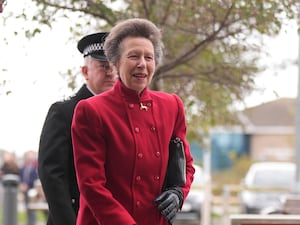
[(180, 130), (89, 157), (53, 161)]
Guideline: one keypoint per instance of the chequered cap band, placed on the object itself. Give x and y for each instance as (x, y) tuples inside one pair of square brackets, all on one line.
[(93, 48)]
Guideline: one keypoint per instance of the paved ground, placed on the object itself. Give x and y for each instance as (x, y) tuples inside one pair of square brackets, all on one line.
[(187, 222)]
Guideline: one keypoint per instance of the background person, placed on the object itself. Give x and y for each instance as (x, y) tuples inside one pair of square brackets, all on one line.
[(121, 137), (56, 164), (9, 165), (28, 176)]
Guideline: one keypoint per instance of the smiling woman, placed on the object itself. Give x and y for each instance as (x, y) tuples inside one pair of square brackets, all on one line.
[(129, 122)]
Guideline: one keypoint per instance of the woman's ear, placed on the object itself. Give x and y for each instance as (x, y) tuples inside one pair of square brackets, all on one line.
[(117, 68)]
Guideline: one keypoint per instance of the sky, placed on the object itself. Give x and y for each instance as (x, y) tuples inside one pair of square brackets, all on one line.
[(277, 82), (33, 69)]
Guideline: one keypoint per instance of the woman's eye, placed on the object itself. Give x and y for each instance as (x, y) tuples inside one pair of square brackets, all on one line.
[(149, 58), (133, 56)]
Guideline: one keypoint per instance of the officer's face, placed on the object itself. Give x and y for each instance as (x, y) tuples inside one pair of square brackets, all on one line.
[(98, 75)]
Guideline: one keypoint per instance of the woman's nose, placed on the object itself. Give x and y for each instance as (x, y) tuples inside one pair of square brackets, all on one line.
[(141, 62)]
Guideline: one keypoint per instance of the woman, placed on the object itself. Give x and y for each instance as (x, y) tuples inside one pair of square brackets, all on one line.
[(121, 137)]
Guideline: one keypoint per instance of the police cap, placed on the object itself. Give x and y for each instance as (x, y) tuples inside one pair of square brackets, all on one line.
[(93, 45)]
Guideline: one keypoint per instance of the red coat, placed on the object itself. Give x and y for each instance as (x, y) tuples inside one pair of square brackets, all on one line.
[(121, 154)]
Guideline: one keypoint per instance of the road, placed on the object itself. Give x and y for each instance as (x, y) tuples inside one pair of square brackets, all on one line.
[(188, 222), (221, 216), (184, 222)]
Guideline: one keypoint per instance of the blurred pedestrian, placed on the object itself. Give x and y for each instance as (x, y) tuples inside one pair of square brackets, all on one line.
[(56, 163), (9, 165), (121, 137), (28, 176)]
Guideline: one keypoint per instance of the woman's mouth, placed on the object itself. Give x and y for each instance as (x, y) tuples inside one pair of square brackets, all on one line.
[(140, 76)]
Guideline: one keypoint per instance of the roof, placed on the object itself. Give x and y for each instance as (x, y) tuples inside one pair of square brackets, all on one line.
[(280, 112)]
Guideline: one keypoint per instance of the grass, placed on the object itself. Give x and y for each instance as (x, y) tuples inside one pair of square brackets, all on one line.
[(22, 217)]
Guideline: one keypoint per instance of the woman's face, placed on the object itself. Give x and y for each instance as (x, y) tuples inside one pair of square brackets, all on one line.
[(136, 65)]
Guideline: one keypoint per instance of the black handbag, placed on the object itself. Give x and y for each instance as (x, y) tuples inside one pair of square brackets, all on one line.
[(176, 171)]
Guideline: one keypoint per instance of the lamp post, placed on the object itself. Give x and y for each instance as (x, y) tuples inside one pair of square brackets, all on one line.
[(206, 206), (297, 134)]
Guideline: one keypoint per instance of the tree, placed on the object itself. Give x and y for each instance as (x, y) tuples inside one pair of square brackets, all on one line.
[(211, 46)]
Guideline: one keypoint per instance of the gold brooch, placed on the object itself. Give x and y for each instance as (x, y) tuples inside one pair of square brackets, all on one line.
[(143, 107)]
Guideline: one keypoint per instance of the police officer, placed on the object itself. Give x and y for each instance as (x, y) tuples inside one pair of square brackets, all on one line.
[(55, 159)]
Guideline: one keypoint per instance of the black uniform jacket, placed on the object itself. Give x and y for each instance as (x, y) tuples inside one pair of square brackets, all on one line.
[(56, 163)]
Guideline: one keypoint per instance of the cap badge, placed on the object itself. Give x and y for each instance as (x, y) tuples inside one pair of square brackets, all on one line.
[(93, 48)]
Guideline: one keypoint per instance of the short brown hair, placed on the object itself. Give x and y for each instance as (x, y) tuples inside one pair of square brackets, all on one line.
[(135, 27)]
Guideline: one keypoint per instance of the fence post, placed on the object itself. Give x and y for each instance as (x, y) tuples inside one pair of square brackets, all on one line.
[(226, 204), (10, 207)]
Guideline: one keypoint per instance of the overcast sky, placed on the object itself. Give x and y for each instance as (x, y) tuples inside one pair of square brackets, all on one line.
[(32, 69)]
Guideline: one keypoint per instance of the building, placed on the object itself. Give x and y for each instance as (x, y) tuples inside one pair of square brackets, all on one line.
[(266, 133), (271, 128)]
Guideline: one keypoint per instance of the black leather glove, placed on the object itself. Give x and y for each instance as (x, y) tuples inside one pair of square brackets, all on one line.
[(168, 203)]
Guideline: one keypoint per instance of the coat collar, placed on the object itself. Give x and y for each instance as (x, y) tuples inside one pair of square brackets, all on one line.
[(84, 92), (129, 94)]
